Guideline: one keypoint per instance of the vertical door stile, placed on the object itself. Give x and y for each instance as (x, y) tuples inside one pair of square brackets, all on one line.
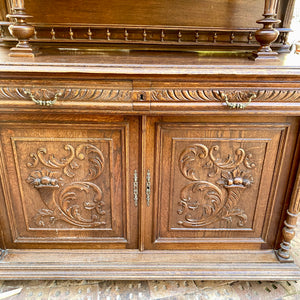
[(142, 181)]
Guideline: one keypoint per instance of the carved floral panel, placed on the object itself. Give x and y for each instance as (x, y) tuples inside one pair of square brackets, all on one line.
[(68, 180), (67, 183), (218, 176), (215, 179)]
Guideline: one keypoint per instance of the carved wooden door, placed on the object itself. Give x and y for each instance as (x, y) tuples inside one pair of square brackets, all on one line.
[(215, 181), (65, 182)]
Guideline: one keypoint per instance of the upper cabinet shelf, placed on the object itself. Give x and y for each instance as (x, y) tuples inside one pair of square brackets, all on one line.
[(204, 24)]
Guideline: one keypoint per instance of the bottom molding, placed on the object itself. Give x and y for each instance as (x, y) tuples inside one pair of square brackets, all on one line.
[(149, 265)]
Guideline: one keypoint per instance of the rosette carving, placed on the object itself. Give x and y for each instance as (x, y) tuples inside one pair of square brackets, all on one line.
[(203, 202), (79, 202)]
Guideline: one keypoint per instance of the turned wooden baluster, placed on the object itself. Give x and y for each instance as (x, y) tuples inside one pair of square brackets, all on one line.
[(267, 35), (21, 30), (290, 223)]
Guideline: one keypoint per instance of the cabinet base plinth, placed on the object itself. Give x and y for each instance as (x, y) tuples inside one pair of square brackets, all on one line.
[(149, 265)]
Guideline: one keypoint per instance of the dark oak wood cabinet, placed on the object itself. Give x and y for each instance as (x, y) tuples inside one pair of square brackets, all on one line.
[(129, 151), (174, 167)]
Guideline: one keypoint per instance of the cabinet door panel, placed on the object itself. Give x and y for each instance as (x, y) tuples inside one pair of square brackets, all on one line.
[(67, 184), (214, 183)]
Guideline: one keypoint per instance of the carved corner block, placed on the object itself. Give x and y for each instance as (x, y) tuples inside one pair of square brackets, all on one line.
[(23, 31)]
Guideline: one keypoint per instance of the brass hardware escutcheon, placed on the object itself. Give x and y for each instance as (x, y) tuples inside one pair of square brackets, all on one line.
[(135, 188), (148, 187), (42, 102), (240, 105)]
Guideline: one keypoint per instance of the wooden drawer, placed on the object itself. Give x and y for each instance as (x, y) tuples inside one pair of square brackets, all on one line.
[(134, 96)]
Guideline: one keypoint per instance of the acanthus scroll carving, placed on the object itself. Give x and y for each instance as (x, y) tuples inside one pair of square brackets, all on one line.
[(79, 202), (203, 202)]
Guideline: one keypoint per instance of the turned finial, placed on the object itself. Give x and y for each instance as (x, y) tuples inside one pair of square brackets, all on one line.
[(267, 35), (21, 30)]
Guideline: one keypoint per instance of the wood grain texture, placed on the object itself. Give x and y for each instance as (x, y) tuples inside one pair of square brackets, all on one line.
[(65, 192), (207, 169), (134, 265), (213, 182)]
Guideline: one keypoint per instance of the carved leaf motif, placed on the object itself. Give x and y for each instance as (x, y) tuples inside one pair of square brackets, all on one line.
[(233, 95), (182, 95), (45, 217), (67, 94), (249, 164), (202, 202), (204, 198), (189, 157), (78, 203), (229, 162), (52, 161), (81, 204), (68, 164), (95, 158)]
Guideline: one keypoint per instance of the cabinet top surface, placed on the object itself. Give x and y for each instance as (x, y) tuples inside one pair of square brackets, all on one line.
[(105, 61)]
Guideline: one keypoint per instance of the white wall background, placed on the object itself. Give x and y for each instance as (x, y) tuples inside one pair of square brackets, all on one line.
[(295, 25)]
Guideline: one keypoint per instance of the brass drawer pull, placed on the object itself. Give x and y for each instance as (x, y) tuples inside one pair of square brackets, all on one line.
[(43, 102), (240, 105)]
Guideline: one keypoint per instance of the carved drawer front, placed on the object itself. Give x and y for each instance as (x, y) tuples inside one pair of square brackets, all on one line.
[(215, 183), (66, 183)]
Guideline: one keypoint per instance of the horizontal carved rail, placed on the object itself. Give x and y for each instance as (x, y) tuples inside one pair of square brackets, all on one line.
[(146, 95)]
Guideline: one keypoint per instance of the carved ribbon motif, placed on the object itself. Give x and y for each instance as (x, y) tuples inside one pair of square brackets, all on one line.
[(77, 202), (203, 202)]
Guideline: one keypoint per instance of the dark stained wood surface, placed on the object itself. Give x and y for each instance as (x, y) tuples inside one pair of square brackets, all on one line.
[(165, 117), (151, 12), (72, 60)]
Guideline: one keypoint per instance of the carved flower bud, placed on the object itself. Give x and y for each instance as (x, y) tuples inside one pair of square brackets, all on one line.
[(230, 181), (246, 182), (36, 182), (53, 181), (45, 180), (238, 180)]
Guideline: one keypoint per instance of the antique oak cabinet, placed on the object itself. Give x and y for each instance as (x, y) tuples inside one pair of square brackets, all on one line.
[(139, 141)]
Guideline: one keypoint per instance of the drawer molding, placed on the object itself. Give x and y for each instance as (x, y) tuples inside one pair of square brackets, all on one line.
[(232, 95), (152, 95), (66, 94)]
